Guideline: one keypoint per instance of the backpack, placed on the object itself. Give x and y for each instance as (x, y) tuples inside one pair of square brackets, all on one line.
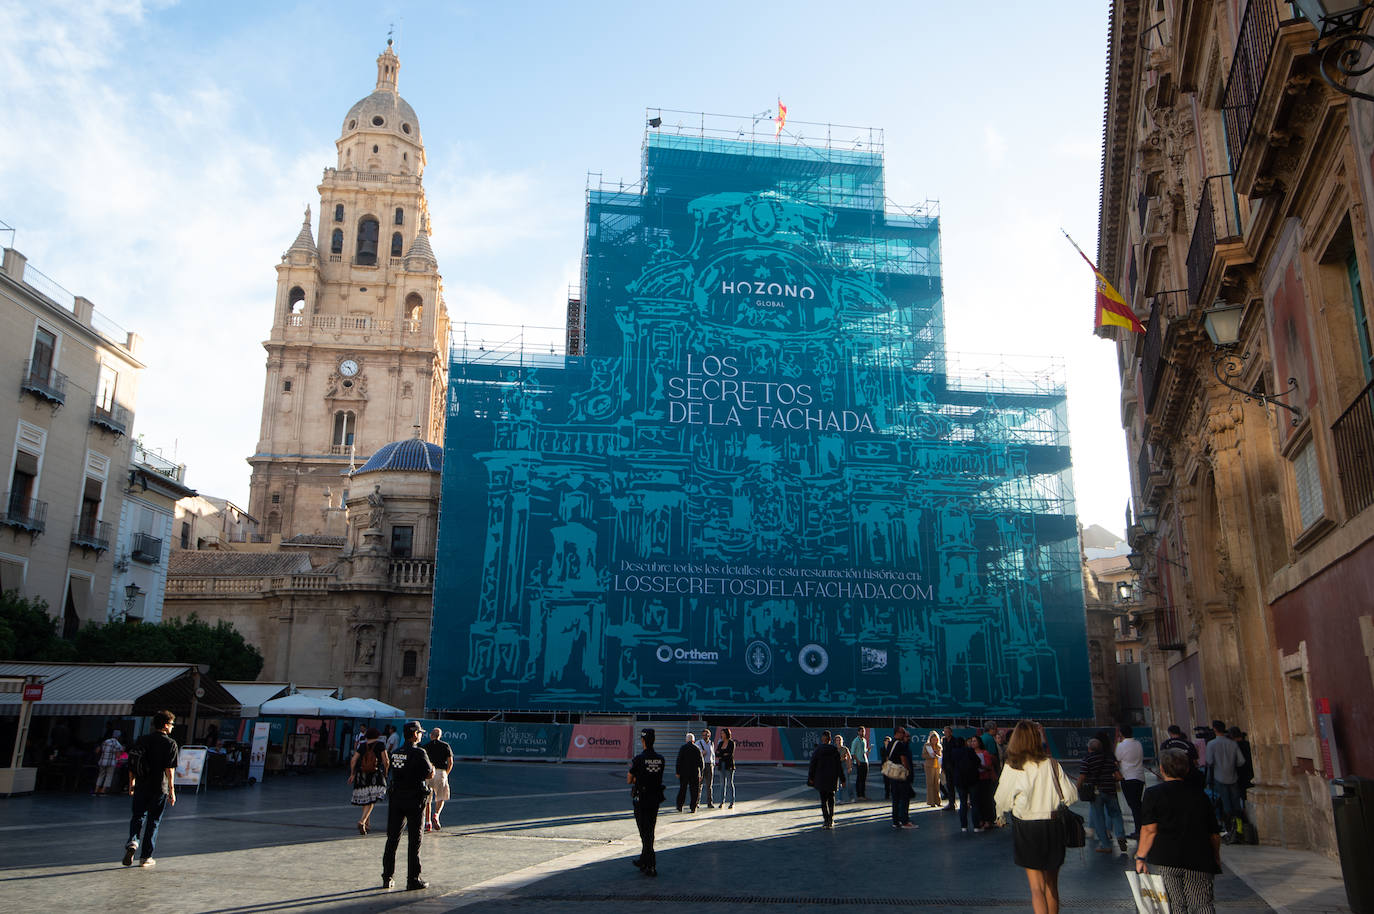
[(368, 764), (138, 760)]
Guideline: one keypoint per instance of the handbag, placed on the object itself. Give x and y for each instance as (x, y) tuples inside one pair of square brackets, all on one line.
[(1070, 823), (1087, 793), (1148, 891), (894, 770)]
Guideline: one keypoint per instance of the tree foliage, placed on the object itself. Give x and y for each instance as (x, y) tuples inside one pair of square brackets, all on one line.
[(27, 632)]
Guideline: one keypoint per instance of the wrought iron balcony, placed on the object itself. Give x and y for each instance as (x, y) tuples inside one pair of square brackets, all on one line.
[(24, 513), (1254, 49), (1353, 434), (44, 382), (146, 549), (1168, 628), (89, 533), (112, 417), (1218, 222)]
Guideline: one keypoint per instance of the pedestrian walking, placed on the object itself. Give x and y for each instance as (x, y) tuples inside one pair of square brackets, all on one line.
[(367, 770), (1179, 837), (961, 768), (1224, 761), (1100, 773), (847, 765), (1031, 788), (688, 768), (901, 785), (1130, 755), (708, 764), (825, 774), (984, 811), (946, 785), (886, 754), (108, 763), (859, 748), (152, 781), (1177, 740), (725, 766), (393, 739), (930, 760), (441, 757), (410, 774), (646, 792)]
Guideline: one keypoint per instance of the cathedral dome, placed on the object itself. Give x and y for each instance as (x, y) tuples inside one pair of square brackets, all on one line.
[(411, 455), (384, 110)]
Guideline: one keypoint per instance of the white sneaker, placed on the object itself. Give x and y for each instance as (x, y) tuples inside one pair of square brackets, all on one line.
[(963, 829), (148, 861)]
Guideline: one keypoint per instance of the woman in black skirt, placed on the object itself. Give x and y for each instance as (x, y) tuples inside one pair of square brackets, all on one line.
[(1031, 788)]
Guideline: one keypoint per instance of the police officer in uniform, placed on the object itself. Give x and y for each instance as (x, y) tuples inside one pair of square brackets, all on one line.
[(410, 768), (646, 791)]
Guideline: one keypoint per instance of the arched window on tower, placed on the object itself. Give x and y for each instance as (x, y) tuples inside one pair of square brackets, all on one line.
[(415, 308), (336, 242), (296, 305), (338, 212), (396, 244), (345, 423), (367, 242), (400, 216)]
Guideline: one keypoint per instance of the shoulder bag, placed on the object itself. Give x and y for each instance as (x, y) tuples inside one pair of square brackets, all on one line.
[(1070, 823), (894, 770)]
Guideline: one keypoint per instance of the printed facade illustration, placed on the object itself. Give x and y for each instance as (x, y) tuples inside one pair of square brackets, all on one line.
[(762, 487)]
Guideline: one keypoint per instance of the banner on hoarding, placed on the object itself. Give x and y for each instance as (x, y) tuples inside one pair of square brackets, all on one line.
[(601, 742), (524, 740), (756, 744)]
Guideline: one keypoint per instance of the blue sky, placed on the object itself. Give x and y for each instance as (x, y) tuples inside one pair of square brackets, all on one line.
[(159, 156)]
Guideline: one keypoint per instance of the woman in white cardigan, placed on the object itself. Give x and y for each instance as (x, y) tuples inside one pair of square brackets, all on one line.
[(1031, 788)]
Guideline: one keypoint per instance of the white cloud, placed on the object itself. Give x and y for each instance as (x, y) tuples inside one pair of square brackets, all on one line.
[(994, 144)]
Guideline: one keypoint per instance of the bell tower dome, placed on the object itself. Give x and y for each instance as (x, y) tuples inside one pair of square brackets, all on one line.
[(358, 353)]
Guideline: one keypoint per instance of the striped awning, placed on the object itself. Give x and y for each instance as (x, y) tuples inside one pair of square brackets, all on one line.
[(115, 689)]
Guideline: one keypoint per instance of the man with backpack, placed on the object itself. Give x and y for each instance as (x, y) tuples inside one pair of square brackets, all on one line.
[(152, 781)]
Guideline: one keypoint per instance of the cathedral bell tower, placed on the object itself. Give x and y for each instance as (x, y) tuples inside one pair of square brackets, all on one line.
[(358, 353)]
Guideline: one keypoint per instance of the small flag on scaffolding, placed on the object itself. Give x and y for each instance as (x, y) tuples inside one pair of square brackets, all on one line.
[(781, 119), (1112, 310)]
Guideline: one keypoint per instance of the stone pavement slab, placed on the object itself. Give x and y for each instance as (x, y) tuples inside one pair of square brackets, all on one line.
[(1291, 881), (527, 837)]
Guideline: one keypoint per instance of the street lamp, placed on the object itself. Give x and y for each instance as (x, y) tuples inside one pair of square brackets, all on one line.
[(1149, 522), (1342, 43), (1222, 322), (131, 592)]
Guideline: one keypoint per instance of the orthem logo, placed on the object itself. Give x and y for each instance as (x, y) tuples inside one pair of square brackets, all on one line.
[(872, 659), (813, 659), (667, 653), (758, 657), (582, 741)]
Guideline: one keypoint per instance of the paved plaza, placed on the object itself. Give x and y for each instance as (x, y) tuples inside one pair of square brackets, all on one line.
[(559, 838)]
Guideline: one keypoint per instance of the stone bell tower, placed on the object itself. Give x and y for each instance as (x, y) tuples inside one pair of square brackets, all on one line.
[(358, 351)]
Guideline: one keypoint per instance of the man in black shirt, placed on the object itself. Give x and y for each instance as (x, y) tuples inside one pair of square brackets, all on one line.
[(646, 791), (441, 757), (1176, 740), (410, 769), (689, 762), (152, 781)]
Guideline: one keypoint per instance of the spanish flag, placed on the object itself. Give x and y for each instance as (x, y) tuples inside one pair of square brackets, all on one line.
[(781, 119), (1112, 310)]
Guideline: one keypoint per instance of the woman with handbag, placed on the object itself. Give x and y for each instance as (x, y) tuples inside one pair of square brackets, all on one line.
[(897, 771), (1179, 837), (1032, 788)]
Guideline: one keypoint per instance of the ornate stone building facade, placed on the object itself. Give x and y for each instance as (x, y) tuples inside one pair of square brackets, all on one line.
[(358, 351), (336, 587), (1237, 183)]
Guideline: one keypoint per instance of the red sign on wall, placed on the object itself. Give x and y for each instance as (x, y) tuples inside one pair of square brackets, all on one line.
[(33, 691), (599, 741), (756, 744)]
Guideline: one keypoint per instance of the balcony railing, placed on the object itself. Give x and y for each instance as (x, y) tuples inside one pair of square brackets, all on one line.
[(24, 513), (1353, 434), (1168, 629), (146, 548), (1218, 221), (89, 533), (1253, 52), (111, 417), (411, 572), (44, 382)]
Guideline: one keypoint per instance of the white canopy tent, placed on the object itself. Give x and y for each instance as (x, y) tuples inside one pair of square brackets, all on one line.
[(305, 706)]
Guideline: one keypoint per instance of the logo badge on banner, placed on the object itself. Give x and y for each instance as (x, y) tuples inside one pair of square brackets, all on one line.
[(601, 743)]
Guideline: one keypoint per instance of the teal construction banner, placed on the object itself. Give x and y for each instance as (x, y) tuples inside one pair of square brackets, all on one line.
[(526, 741), (761, 490)]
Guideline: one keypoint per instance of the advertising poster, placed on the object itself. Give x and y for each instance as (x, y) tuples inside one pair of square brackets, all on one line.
[(257, 759), (466, 738), (190, 766), (525, 741), (599, 742), (762, 489), (756, 744)]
